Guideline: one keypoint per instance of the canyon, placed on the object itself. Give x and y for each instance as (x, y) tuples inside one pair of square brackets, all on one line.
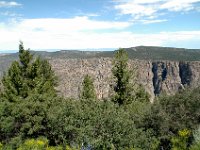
[(157, 74)]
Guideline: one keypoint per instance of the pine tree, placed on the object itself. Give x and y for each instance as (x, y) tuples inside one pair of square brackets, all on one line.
[(122, 75), (28, 91), (88, 91), (28, 76)]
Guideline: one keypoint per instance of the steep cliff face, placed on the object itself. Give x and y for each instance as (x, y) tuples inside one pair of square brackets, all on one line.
[(156, 77), (193, 74), (170, 76), (72, 71), (166, 77)]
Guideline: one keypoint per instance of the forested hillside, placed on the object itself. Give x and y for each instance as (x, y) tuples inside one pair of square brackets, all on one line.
[(34, 117)]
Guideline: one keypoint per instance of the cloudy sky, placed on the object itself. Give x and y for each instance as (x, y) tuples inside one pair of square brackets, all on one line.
[(82, 24)]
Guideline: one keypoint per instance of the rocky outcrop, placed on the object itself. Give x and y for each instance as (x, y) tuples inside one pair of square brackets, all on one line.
[(156, 77), (166, 77), (72, 71)]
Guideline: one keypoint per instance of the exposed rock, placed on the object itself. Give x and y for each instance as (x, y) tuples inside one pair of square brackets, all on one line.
[(156, 77), (72, 71)]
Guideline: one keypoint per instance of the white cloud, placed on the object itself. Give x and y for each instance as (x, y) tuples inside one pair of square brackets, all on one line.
[(56, 33), (136, 10), (9, 4), (140, 9), (92, 15), (179, 5), (153, 21), (10, 14), (77, 24), (81, 32)]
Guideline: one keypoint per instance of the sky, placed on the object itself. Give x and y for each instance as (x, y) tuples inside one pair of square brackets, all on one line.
[(97, 24)]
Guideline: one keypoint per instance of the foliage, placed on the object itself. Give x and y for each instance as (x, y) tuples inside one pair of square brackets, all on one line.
[(123, 88), (88, 91), (196, 142), (196, 135), (28, 76), (169, 114), (32, 144), (141, 95), (183, 109), (195, 146), (30, 108), (1, 146), (40, 143), (104, 127), (180, 142), (28, 90)]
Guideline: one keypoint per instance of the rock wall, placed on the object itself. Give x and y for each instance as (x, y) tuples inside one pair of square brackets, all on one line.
[(156, 76), (72, 71)]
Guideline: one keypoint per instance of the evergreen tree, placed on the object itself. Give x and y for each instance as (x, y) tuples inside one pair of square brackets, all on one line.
[(88, 91), (28, 91), (122, 75), (27, 77)]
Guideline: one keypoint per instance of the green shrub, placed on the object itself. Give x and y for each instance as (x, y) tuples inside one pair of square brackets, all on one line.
[(180, 142), (196, 142), (1, 146), (34, 144)]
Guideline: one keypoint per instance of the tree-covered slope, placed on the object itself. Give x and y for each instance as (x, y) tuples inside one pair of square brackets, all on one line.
[(141, 52), (164, 53)]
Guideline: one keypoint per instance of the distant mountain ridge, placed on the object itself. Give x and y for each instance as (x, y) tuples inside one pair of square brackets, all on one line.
[(163, 53), (140, 52)]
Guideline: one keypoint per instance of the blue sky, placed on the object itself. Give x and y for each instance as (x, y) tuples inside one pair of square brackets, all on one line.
[(82, 24)]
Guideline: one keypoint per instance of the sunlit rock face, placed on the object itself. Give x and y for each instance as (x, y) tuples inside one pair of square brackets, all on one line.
[(156, 76)]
